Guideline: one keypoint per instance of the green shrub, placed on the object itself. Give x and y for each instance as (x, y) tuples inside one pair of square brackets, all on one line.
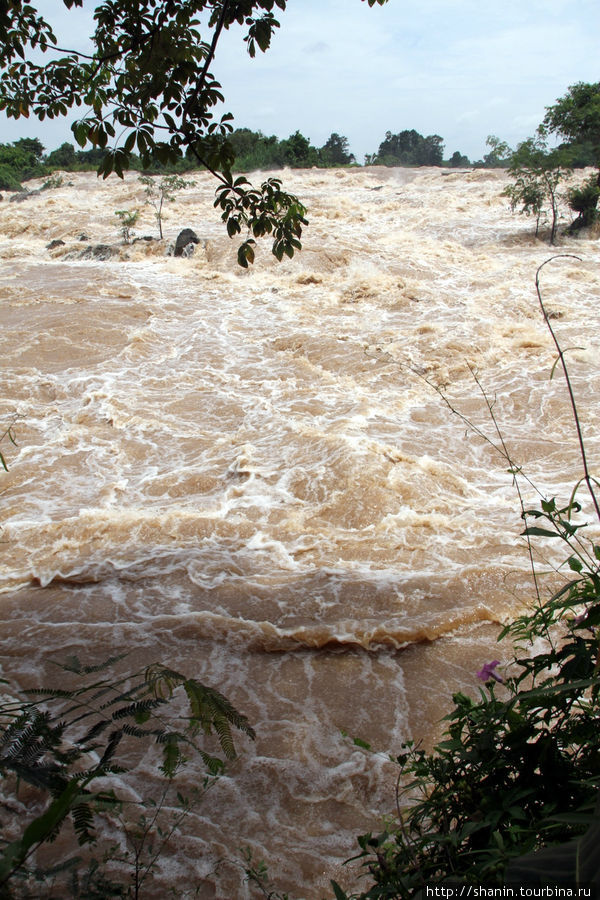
[(584, 201), (8, 179), (159, 191), (127, 218), (518, 768), (65, 742)]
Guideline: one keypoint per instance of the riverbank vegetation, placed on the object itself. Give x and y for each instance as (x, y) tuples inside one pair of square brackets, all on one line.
[(508, 796), (510, 793), (538, 170)]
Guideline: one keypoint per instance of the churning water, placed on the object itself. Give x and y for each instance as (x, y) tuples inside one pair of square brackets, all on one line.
[(248, 475)]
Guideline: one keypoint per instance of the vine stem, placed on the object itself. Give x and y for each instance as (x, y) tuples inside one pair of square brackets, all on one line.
[(501, 448), (561, 356)]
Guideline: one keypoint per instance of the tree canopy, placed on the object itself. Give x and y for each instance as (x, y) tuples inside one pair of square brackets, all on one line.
[(576, 116), (20, 160), (409, 148), (537, 171), (147, 87)]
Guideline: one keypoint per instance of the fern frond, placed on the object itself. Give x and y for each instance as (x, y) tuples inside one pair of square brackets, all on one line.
[(92, 733), (128, 696), (221, 705), (223, 731), (73, 664), (83, 822), (136, 731), (210, 709), (30, 750), (161, 680), (172, 755), (162, 736), (214, 765), (138, 707), (23, 733), (55, 693), (110, 749)]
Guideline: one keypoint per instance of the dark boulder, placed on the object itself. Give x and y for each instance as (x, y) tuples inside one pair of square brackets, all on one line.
[(185, 241), (24, 195), (54, 244), (99, 251), (95, 251)]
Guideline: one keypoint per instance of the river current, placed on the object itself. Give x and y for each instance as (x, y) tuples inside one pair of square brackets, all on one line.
[(250, 476)]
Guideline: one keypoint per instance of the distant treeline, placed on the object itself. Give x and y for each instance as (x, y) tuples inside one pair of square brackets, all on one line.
[(26, 158)]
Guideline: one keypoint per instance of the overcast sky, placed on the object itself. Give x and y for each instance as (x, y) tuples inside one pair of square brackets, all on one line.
[(462, 69)]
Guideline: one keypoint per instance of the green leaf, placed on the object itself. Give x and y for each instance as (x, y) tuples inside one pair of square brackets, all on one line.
[(339, 893), (541, 532), (241, 257), (40, 830), (129, 142)]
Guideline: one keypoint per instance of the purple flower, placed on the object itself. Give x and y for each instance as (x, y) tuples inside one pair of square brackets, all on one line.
[(487, 672)]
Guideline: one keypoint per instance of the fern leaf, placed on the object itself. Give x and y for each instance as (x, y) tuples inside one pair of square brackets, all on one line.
[(83, 822), (214, 765), (225, 737), (110, 749), (73, 664), (93, 732), (172, 756), (210, 709), (162, 681), (138, 707), (43, 828), (136, 731), (55, 693)]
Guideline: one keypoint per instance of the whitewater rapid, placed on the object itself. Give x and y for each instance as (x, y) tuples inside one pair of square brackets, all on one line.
[(251, 475)]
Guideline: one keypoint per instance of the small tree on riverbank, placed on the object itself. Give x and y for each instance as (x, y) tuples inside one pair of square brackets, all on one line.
[(537, 175), (576, 117), (157, 192), (128, 218)]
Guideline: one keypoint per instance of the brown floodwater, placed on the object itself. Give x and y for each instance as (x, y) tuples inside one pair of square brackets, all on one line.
[(249, 475)]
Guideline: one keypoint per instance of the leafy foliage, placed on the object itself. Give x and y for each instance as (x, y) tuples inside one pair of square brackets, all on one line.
[(538, 171), (537, 175), (243, 208), (127, 218), (61, 741), (518, 768), (147, 88), (499, 154), (458, 160), (20, 160), (576, 116), (584, 201), (409, 148), (157, 192), (335, 151)]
